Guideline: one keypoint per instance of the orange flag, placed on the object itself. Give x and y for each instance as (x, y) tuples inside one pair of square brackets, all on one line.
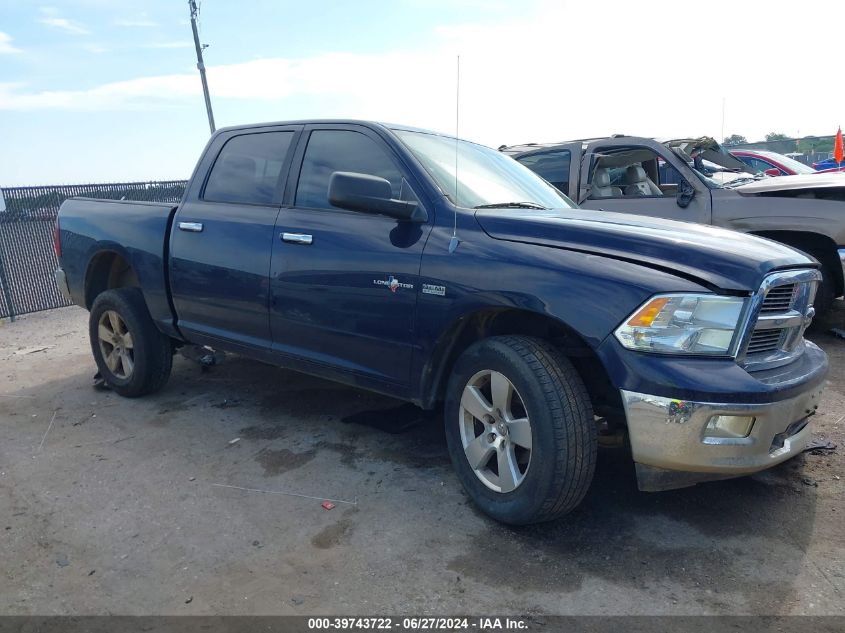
[(837, 147)]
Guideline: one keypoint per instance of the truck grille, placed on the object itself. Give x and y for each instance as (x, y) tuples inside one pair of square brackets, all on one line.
[(779, 299), (780, 311), (765, 341)]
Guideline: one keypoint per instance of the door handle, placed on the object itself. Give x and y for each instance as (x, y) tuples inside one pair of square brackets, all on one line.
[(193, 227), (297, 238)]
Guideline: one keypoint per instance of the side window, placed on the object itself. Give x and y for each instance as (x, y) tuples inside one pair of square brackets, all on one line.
[(757, 164), (668, 174), (329, 151), (632, 172), (553, 166), (248, 169)]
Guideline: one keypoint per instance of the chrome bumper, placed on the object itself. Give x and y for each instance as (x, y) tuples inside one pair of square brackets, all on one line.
[(673, 448), (61, 284)]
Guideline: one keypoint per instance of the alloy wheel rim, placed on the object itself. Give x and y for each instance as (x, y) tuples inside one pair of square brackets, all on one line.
[(495, 431), (116, 344)]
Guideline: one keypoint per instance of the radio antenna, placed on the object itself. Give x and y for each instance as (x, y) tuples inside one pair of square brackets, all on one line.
[(453, 243)]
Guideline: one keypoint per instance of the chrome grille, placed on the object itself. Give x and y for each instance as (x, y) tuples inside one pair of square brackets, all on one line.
[(779, 299), (780, 311), (765, 341)]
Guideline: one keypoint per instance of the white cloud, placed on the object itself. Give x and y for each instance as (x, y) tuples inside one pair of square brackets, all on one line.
[(96, 49), (140, 21), (544, 77), (50, 17), (6, 47), (177, 44)]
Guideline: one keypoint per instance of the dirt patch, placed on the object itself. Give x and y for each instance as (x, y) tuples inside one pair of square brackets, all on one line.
[(335, 534), (276, 462)]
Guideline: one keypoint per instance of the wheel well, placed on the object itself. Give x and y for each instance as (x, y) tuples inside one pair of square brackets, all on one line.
[(496, 322), (106, 271), (819, 246)]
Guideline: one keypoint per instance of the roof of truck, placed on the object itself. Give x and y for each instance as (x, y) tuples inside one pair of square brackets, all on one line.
[(382, 124), (530, 147)]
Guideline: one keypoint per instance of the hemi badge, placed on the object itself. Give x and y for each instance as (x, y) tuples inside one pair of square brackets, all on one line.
[(431, 289)]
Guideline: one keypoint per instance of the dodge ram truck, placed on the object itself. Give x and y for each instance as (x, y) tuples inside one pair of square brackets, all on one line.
[(445, 273), (697, 180)]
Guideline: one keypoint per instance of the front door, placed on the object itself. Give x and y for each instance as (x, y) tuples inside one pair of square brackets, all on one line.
[(222, 238), (636, 179), (344, 284)]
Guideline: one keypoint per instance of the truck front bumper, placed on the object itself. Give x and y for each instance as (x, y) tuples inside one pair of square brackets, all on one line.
[(677, 442)]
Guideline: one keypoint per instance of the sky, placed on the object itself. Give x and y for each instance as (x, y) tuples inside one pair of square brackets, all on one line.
[(101, 91)]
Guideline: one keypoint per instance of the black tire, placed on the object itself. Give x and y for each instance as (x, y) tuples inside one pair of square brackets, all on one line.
[(563, 431), (151, 352)]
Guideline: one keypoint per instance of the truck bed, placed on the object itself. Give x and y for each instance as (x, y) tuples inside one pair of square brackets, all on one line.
[(137, 231)]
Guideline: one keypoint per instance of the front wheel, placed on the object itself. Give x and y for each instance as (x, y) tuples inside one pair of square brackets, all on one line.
[(133, 357), (520, 429)]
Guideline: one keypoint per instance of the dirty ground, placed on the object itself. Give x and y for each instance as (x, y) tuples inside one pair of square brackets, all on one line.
[(151, 506)]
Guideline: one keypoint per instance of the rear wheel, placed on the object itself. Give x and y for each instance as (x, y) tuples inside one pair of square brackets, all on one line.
[(133, 357), (520, 429)]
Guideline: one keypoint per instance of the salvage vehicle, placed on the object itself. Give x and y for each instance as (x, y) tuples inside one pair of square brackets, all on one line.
[(673, 179), (444, 273)]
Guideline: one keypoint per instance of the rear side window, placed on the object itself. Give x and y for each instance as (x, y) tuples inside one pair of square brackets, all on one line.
[(248, 169), (329, 151), (553, 166)]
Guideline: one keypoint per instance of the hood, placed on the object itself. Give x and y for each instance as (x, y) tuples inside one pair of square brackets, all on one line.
[(792, 183), (709, 150), (717, 258)]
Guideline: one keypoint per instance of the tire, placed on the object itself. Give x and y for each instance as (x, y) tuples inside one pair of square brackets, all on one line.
[(547, 391), (138, 360)]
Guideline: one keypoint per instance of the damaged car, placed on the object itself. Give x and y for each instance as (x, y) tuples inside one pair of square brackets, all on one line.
[(697, 180)]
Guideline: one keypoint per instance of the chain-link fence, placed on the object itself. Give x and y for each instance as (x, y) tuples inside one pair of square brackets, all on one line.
[(27, 254)]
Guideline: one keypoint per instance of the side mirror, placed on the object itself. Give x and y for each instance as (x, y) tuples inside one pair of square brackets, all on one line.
[(686, 192), (371, 194), (774, 171)]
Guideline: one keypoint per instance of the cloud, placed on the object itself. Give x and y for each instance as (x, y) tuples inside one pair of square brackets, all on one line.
[(51, 17), (510, 92), (177, 44), (140, 21), (96, 49), (6, 47)]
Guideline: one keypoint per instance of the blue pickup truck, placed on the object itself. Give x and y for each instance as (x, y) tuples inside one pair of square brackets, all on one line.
[(447, 274)]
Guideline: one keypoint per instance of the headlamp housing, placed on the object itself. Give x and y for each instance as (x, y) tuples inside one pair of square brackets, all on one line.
[(703, 324)]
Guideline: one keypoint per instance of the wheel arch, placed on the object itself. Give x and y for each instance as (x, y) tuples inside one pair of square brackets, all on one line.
[(818, 245), (108, 269), (484, 323)]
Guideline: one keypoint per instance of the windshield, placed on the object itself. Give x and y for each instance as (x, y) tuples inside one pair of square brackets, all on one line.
[(789, 163), (486, 178)]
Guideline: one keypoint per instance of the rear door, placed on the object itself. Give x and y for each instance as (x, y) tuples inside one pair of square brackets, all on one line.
[(344, 284), (558, 165), (222, 237)]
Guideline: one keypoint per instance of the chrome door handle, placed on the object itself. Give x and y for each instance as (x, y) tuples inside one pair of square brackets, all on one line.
[(193, 227), (297, 238)]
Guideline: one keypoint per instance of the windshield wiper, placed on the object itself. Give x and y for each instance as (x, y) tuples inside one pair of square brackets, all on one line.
[(512, 205)]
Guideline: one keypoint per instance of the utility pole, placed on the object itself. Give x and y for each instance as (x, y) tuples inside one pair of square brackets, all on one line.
[(200, 65)]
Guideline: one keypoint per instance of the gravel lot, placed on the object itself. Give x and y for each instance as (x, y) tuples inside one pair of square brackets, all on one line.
[(119, 506)]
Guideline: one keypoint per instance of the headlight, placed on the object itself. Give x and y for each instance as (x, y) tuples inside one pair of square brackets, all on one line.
[(683, 324)]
